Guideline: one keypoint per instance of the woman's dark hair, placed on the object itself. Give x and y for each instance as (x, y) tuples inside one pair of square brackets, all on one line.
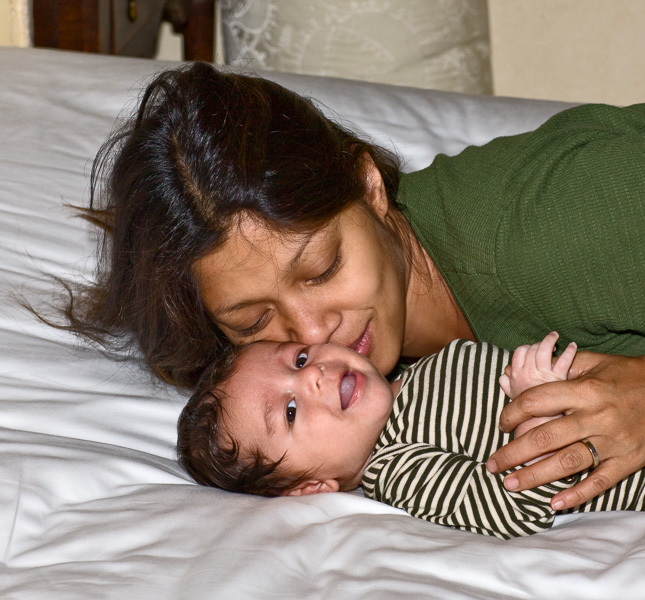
[(211, 456), (204, 147)]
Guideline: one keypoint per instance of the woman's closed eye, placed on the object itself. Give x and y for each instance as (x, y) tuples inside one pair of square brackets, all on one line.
[(255, 328), (329, 273), (291, 411)]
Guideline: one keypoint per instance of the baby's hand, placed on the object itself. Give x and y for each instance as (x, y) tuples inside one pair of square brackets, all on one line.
[(533, 365)]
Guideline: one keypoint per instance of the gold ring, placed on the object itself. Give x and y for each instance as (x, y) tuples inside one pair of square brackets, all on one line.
[(593, 451)]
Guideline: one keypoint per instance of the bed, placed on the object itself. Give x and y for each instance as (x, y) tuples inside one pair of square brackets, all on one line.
[(93, 503)]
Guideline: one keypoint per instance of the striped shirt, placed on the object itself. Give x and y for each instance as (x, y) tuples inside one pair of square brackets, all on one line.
[(430, 458)]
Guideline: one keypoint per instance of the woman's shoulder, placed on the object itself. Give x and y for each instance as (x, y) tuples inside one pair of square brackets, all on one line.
[(593, 124), (606, 117)]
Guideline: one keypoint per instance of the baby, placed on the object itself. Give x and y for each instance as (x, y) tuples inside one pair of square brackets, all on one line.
[(290, 419)]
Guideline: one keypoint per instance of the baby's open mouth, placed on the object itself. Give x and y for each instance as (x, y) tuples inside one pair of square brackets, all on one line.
[(347, 386)]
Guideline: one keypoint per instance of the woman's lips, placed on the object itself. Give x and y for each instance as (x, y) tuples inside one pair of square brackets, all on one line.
[(362, 345)]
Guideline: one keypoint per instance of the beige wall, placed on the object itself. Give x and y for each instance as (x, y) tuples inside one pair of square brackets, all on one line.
[(169, 45), (578, 50), (14, 23)]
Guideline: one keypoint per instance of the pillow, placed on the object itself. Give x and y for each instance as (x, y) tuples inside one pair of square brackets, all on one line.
[(440, 44)]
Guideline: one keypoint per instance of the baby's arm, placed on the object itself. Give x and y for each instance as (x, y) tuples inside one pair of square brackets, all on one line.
[(533, 365), (451, 488)]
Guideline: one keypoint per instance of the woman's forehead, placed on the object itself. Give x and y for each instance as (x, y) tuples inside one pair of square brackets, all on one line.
[(252, 244), (258, 232), (257, 235)]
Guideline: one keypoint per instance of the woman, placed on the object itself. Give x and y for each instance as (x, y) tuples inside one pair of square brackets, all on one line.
[(238, 213)]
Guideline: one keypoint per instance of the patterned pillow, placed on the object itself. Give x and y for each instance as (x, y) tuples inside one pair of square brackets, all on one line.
[(440, 44)]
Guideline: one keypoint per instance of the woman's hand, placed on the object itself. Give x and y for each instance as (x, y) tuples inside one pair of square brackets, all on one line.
[(603, 401)]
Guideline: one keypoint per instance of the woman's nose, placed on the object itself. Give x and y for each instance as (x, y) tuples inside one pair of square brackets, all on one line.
[(312, 327)]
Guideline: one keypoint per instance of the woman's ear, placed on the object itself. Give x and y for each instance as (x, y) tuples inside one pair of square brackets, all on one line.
[(313, 486), (376, 194)]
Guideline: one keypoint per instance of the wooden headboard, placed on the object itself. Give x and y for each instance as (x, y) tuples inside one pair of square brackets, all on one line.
[(124, 27)]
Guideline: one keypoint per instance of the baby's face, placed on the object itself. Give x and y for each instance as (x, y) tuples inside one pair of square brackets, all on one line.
[(323, 405)]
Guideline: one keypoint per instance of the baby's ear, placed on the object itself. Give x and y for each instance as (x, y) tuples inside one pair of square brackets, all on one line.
[(313, 486)]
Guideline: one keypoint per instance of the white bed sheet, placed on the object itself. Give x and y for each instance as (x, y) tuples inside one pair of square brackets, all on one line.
[(92, 502)]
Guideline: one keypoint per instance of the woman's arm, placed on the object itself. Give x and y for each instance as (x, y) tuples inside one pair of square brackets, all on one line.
[(579, 240), (603, 401)]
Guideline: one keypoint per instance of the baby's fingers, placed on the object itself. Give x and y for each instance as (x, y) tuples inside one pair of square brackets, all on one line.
[(505, 384), (519, 357), (564, 361), (544, 352)]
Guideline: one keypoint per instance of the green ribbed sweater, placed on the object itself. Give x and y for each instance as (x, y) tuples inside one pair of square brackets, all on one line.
[(543, 231)]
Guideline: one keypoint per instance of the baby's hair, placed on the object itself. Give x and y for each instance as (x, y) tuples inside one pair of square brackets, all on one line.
[(211, 456)]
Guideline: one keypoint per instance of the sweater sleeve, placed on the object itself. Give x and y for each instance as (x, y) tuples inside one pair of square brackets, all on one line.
[(454, 490)]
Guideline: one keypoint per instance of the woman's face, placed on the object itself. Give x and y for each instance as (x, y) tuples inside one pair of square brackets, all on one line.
[(341, 284)]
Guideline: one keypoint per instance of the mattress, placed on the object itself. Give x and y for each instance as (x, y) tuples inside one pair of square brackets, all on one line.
[(92, 501)]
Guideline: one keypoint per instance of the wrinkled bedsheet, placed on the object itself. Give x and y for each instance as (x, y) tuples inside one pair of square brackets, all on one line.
[(92, 501)]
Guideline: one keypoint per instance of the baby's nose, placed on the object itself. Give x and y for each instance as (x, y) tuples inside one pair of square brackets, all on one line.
[(314, 374)]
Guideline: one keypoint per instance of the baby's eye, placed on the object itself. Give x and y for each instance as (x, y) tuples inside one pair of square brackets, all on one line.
[(291, 412), (301, 359)]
